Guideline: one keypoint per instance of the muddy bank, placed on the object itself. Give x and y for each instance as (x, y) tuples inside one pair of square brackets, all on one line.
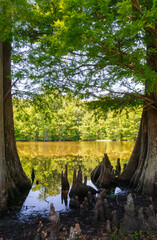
[(13, 229)]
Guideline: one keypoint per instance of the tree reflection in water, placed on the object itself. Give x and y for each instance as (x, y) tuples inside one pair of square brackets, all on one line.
[(48, 159)]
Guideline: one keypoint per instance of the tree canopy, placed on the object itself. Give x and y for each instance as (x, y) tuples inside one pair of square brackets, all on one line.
[(91, 48)]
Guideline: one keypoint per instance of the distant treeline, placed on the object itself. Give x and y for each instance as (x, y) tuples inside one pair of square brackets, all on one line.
[(63, 118)]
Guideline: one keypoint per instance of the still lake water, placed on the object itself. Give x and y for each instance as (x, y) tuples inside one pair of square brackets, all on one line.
[(48, 160)]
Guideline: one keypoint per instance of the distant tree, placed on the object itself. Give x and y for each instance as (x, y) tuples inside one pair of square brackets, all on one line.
[(45, 117)]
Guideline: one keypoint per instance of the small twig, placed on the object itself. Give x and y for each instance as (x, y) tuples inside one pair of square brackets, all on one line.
[(138, 4), (138, 8), (99, 16)]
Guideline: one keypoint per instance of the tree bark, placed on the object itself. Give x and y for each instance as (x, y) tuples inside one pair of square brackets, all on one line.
[(3, 198), (141, 170), (12, 176)]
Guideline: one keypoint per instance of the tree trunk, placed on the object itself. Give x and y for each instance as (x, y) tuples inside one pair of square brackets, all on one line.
[(12, 176), (139, 151), (141, 170), (3, 197)]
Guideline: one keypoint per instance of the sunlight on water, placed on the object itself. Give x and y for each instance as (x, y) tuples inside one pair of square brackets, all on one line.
[(60, 149), (48, 160)]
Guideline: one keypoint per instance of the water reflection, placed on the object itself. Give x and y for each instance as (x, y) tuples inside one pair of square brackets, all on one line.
[(48, 159)]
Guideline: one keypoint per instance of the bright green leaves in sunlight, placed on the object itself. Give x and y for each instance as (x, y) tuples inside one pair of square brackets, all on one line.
[(13, 15), (91, 48), (68, 119), (5, 20)]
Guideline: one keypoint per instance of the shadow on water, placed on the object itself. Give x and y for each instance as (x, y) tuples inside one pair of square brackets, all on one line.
[(14, 208)]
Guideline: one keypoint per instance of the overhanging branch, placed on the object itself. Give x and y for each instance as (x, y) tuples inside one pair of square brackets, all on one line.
[(9, 90)]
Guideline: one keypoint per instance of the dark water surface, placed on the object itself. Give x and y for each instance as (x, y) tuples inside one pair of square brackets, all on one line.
[(48, 160)]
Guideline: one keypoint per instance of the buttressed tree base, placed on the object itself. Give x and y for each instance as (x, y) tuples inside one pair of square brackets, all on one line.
[(12, 177)]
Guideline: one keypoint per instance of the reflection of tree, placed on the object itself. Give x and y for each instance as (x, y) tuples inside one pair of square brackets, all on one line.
[(59, 149), (48, 168), (64, 196), (48, 175), (48, 171)]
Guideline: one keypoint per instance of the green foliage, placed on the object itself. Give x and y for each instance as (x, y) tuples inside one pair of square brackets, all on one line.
[(91, 48), (137, 235), (64, 118), (13, 14), (94, 48)]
